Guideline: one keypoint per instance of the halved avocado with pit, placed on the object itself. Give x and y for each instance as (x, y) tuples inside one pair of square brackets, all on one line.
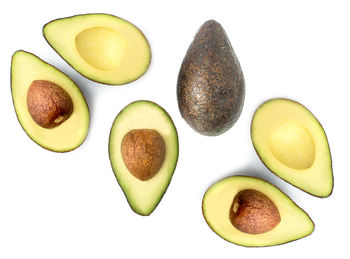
[(101, 47), (49, 105), (251, 212), (143, 151), (292, 144)]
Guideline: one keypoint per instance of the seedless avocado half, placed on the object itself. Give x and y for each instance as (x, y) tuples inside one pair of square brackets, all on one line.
[(143, 196), (26, 68), (292, 144), (101, 47), (217, 201)]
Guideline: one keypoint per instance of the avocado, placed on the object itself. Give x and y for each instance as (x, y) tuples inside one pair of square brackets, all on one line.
[(293, 145), (143, 151), (102, 47), (50, 107), (251, 212), (210, 87)]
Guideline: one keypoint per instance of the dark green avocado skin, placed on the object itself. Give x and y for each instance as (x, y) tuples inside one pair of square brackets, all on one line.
[(210, 87)]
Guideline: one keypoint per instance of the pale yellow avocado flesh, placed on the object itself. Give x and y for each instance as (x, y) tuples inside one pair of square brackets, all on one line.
[(143, 196), (26, 68), (292, 144), (217, 201), (102, 47)]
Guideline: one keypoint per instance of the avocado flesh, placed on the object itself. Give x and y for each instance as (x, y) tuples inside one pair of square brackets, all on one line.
[(217, 201), (67, 136), (101, 47), (292, 144), (143, 196)]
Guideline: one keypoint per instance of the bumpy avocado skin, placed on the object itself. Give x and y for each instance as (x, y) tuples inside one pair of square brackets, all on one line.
[(210, 87)]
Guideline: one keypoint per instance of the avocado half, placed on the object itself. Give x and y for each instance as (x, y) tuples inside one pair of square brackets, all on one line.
[(71, 133), (217, 201), (143, 196), (102, 47), (293, 145)]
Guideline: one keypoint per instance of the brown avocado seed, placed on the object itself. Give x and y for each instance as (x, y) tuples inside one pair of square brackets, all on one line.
[(48, 103), (253, 212), (143, 152)]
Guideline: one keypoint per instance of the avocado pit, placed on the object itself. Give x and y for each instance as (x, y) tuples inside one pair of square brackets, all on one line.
[(253, 212), (48, 104), (143, 152)]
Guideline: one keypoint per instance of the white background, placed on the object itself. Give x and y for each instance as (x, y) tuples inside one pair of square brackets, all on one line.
[(70, 205)]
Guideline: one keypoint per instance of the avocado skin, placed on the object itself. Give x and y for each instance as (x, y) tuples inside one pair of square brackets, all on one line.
[(210, 87)]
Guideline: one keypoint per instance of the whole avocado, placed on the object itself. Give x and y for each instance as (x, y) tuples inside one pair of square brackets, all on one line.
[(210, 87)]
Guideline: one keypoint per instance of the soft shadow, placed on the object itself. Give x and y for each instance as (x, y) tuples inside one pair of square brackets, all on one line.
[(257, 169), (86, 88)]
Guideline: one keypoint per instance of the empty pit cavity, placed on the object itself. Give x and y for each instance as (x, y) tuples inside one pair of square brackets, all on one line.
[(100, 47), (292, 144)]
